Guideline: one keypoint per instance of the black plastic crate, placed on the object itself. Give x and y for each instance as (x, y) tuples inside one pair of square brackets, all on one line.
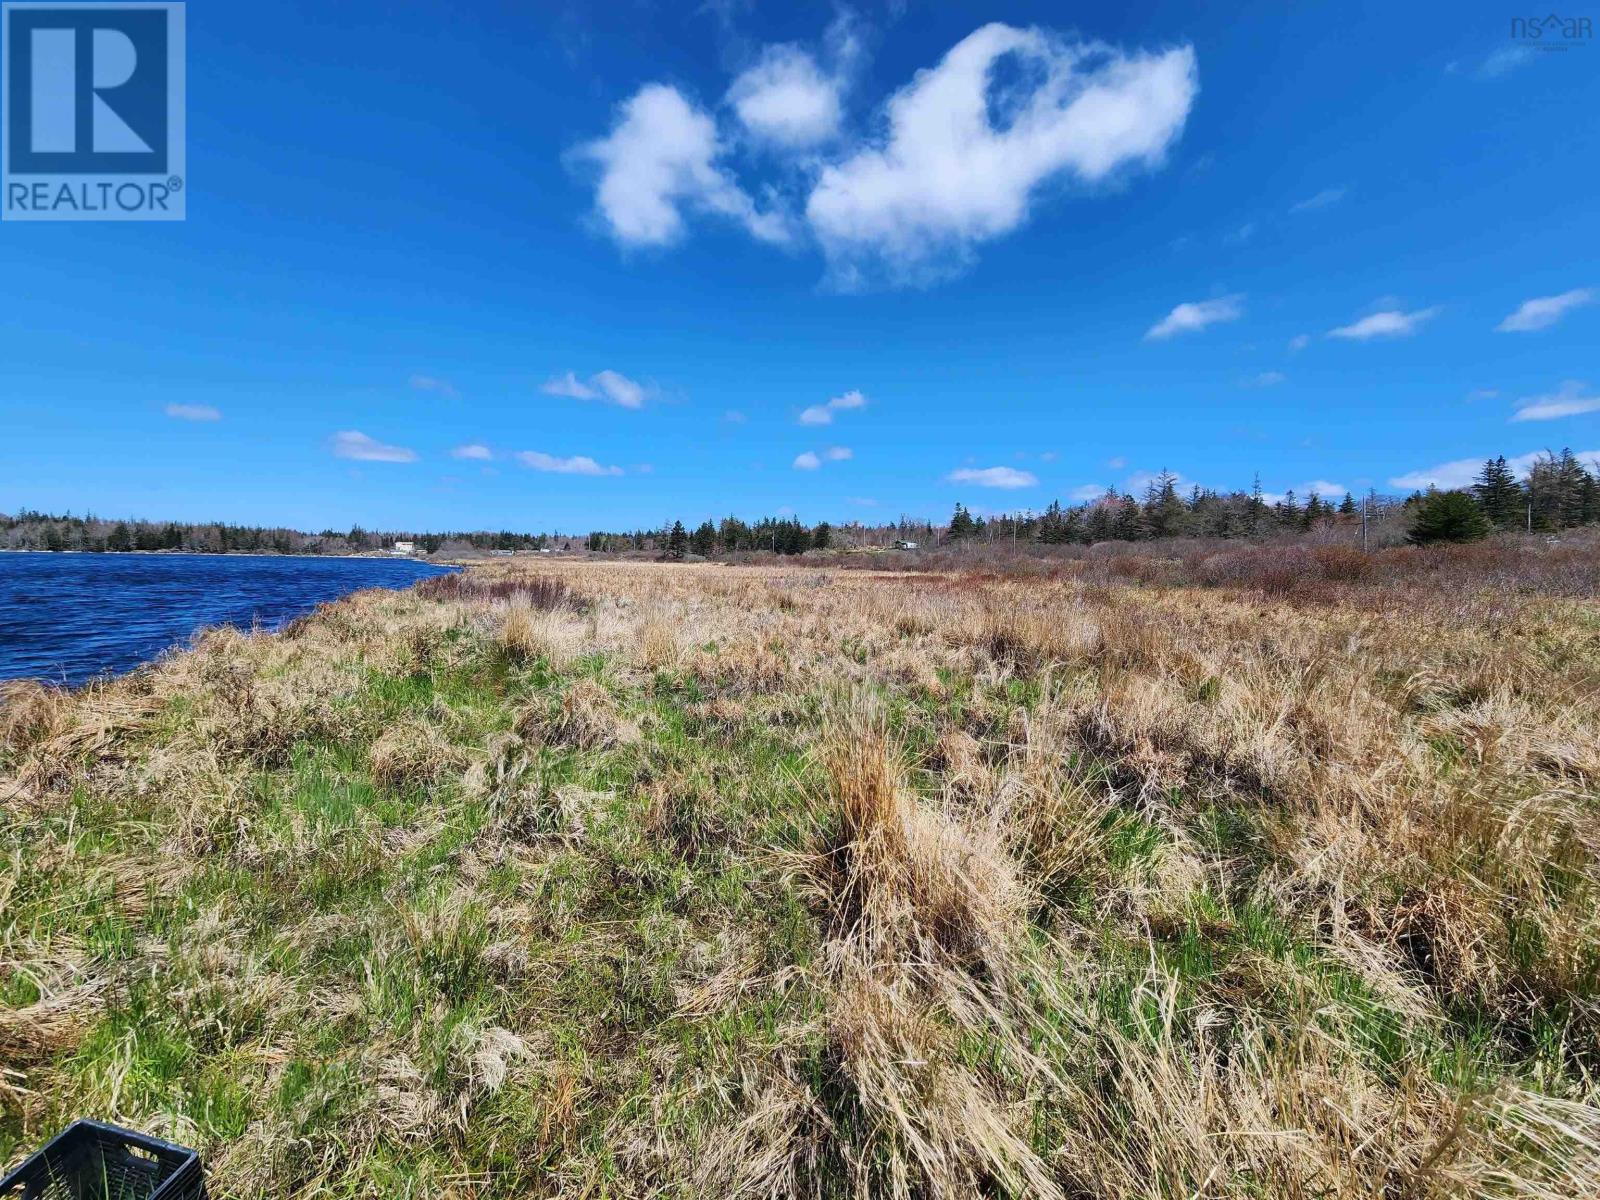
[(91, 1161)]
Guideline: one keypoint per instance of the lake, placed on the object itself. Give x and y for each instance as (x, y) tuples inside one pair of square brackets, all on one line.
[(66, 618)]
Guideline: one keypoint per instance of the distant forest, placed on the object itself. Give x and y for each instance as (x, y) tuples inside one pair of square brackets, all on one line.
[(1559, 492), (29, 530)]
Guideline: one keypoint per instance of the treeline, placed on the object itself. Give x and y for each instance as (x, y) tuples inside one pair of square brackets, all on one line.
[(1559, 492), (29, 530), (774, 535)]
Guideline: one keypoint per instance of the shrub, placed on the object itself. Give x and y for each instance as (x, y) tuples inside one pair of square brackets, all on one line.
[(1448, 517)]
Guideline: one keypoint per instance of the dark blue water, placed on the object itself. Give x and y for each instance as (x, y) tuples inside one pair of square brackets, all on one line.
[(66, 618)]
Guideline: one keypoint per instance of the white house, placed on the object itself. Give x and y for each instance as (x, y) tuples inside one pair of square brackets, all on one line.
[(402, 549)]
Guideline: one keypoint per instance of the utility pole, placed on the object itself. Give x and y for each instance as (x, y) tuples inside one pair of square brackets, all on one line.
[(1366, 506)]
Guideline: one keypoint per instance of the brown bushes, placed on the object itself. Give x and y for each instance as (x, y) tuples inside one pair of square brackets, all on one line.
[(541, 592)]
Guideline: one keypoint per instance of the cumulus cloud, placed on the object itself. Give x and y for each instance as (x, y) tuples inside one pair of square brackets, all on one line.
[(660, 158), (473, 450), (193, 412), (354, 444), (611, 386), (578, 464), (569, 385), (1391, 323), (994, 477), (811, 459), (1190, 318), (787, 99), (1569, 401), (1089, 491), (430, 383), (964, 156), (620, 390), (822, 414), (1462, 472), (1544, 311)]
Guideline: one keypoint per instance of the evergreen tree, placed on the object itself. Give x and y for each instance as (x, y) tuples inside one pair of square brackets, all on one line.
[(1164, 513), (677, 541), (1448, 517), (1499, 495), (962, 525), (119, 540), (1347, 506), (822, 536), (1256, 514), (1316, 510), (704, 540)]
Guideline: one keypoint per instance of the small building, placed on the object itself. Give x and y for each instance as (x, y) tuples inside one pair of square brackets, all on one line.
[(403, 549), (905, 545)]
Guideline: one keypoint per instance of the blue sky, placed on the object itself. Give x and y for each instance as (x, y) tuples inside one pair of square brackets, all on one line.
[(534, 266)]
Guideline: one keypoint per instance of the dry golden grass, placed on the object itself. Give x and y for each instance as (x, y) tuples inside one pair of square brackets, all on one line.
[(801, 883)]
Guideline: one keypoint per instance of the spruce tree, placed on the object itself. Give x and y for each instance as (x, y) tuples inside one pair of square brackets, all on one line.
[(1498, 494), (677, 541), (962, 525), (1347, 506), (1448, 517)]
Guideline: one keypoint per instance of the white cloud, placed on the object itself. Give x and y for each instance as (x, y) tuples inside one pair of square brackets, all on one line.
[(1192, 317), (811, 459), (838, 453), (569, 385), (963, 158), (193, 412), (1268, 379), (1544, 311), (428, 383), (1299, 342), (822, 414), (619, 389), (807, 461), (1117, 463), (1570, 401), (1463, 471), (611, 386), (1505, 60), (1323, 199), (1321, 487), (786, 99), (353, 444), (994, 477), (1089, 491), (659, 159), (578, 464), (1392, 323), (473, 450)]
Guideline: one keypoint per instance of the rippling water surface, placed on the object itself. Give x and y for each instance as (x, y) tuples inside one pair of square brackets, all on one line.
[(66, 618)]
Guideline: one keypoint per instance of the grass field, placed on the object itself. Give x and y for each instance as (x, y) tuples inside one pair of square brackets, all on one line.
[(655, 881)]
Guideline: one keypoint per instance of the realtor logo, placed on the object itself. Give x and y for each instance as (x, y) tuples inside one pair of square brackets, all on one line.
[(92, 112)]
